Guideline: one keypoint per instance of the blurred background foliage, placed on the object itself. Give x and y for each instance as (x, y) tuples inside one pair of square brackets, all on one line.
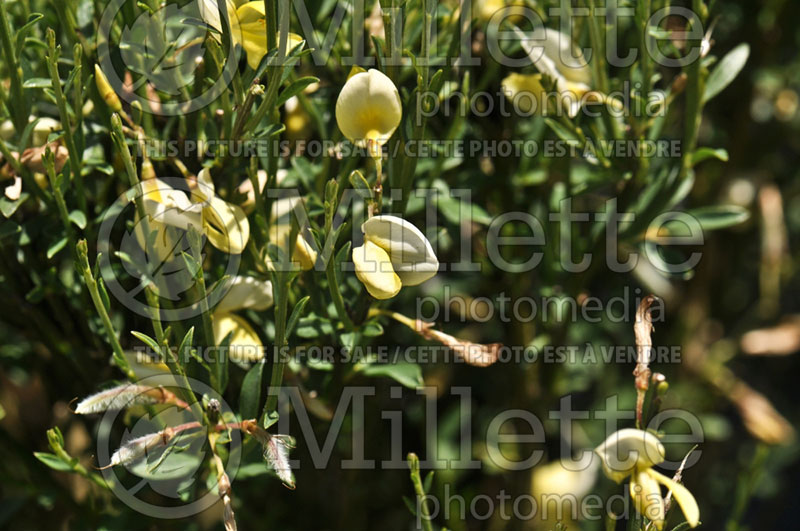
[(745, 285)]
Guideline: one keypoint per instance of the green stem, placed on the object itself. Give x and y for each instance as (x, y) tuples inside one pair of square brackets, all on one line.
[(278, 363), (336, 295), (271, 14), (19, 110), (74, 155), (94, 292), (694, 105), (419, 490)]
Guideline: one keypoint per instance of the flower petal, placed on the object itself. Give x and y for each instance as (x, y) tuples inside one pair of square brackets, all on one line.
[(410, 251), (245, 345), (251, 21), (303, 253), (205, 188), (374, 270), (526, 92), (646, 496), (246, 292), (164, 204), (369, 108), (682, 495), (627, 450), (165, 243), (226, 226), (553, 53)]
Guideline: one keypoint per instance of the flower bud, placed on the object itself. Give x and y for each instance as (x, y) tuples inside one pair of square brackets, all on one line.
[(107, 93), (369, 109)]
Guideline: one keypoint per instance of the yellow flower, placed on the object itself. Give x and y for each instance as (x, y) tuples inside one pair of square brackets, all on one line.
[(246, 293), (245, 345), (527, 92), (281, 226), (513, 10), (248, 28), (553, 54), (633, 453), (369, 110), (395, 254), (243, 293), (225, 225), (559, 490)]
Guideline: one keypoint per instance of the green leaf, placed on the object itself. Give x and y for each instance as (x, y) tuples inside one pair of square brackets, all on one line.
[(57, 246), (250, 395), (720, 216), (101, 287), (297, 312), (8, 229), (406, 374), (19, 39), (8, 207), (360, 184), (410, 505), (705, 153), (270, 419), (313, 326), (147, 340), (37, 82), (78, 218), (531, 178), (295, 88), (451, 208), (428, 482), (726, 71), (562, 132), (53, 461), (187, 341), (372, 329)]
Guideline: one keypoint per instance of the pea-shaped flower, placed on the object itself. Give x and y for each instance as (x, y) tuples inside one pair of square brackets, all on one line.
[(280, 229), (224, 224), (633, 453), (247, 23), (246, 293), (554, 55), (395, 254), (369, 110), (243, 293)]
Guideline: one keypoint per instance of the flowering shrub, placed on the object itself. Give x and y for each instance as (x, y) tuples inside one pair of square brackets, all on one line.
[(224, 226)]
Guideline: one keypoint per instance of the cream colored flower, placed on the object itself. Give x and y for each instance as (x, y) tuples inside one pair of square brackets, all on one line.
[(556, 56), (281, 226), (633, 453), (395, 254), (512, 10), (225, 225), (246, 293), (41, 130), (245, 345), (248, 24), (243, 293), (559, 491), (369, 110)]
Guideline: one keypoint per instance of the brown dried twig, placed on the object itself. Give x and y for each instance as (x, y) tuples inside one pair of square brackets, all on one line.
[(643, 328)]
